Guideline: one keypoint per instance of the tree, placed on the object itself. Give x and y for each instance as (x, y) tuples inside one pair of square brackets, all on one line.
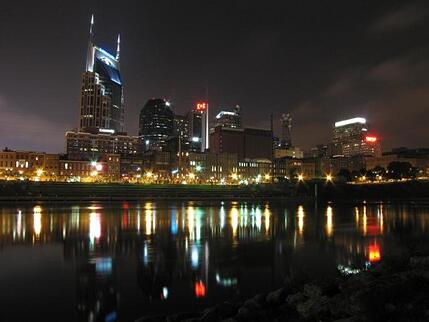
[(345, 174), (399, 170), (375, 173)]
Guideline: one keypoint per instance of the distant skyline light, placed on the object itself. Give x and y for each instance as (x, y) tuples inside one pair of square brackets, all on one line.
[(354, 120)]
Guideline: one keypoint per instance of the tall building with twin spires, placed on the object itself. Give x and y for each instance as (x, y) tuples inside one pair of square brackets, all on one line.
[(101, 128), (102, 99)]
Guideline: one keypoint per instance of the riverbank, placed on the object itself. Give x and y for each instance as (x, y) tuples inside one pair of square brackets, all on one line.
[(53, 191), (395, 290), (298, 191)]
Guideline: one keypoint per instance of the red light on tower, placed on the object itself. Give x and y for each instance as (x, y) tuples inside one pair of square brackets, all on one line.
[(202, 106), (371, 139)]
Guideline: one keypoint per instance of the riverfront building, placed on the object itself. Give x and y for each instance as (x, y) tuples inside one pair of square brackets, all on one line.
[(106, 168), (88, 146), (28, 164)]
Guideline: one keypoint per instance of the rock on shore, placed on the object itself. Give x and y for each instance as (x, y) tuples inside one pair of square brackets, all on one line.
[(383, 293)]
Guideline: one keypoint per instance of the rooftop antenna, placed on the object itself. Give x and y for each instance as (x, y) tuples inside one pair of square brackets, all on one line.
[(91, 27), (118, 48), (90, 53)]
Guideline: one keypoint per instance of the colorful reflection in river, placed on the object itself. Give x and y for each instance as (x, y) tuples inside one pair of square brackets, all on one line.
[(191, 253)]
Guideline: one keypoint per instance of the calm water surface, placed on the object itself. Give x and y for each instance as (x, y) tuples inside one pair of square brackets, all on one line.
[(118, 262)]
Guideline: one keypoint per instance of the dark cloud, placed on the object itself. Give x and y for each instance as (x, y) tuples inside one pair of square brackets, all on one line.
[(402, 18), (393, 95)]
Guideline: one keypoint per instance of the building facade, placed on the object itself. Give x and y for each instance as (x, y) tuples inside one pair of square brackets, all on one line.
[(28, 164), (293, 153), (102, 101), (246, 143), (229, 119), (198, 120), (88, 146), (107, 168), (258, 144), (155, 124), (286, 125), (351, 137)]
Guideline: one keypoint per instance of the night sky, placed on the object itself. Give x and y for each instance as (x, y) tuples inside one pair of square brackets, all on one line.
[(321, 61)]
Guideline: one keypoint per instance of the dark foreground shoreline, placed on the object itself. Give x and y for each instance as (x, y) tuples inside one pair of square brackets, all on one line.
[(395, 290)]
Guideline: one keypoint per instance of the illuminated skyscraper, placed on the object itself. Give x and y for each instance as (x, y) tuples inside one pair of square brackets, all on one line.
[(350, 138), (156, 124), (102, 100), (199, 127), (230, 119)]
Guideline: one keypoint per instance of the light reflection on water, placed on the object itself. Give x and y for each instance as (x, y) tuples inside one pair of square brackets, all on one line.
[(128, 260)]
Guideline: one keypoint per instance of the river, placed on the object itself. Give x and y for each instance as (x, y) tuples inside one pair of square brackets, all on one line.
[(120, 261)]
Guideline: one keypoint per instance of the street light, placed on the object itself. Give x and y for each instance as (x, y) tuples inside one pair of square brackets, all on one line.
[(300, 177), (328, 177)]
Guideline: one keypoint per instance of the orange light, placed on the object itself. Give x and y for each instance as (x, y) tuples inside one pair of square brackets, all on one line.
[(200, 289), (374, 253), (371, 139), (201, 106)]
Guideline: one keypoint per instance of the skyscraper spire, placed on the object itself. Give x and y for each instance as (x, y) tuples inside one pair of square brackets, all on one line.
[(90, 27), (90, 53), (118, 48)]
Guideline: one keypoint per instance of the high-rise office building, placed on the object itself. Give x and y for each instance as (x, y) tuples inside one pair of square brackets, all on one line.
[(102, 100), (247, 143), (198, 120), (229, 119), (351, 137), (181, 127), (180, 134), (155, 124), (286, 139)]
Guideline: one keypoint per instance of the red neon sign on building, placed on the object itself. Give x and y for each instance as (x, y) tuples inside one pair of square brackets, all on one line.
[(201, 106), (371, 139)]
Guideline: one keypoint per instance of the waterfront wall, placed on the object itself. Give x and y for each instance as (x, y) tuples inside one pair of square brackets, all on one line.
[(300, 191)]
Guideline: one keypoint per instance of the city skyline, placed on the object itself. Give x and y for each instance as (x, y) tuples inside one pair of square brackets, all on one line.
[(181, 62)]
